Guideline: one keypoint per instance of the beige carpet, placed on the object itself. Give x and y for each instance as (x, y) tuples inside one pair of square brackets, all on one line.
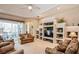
[(36, 47)]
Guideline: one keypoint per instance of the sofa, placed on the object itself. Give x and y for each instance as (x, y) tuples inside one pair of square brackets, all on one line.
[(8, 48), (65, 47), (6, 45), (26, 38)]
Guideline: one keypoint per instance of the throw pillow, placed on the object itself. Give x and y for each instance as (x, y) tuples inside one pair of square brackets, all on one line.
[(63, 46), (72, 47)]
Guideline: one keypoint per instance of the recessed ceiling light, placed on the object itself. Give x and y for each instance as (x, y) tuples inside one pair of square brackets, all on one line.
[(30, 7)]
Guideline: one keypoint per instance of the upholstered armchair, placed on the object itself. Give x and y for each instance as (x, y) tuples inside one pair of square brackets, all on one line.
[(66, 47), (7, 47), (26, 38)]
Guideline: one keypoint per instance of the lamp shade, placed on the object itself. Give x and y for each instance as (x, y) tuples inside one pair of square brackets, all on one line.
[(73, 34)]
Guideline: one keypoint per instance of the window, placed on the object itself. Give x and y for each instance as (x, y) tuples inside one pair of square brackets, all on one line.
[(10, 29)]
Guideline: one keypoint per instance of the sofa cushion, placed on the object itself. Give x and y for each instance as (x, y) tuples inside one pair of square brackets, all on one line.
[(62, 47), (72, 47)]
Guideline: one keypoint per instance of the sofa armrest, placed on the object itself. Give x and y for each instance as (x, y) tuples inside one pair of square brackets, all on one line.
[(10, 41), (4, 44)]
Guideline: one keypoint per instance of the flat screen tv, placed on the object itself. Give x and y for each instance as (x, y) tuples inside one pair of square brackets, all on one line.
[(48, 32)]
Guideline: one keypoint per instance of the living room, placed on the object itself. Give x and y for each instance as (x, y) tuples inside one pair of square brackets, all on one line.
[(39, 28)]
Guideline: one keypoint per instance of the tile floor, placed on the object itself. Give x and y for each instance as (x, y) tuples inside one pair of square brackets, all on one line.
[(36, 47)]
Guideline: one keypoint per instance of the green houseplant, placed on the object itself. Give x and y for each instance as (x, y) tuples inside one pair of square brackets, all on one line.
[(61, 20)]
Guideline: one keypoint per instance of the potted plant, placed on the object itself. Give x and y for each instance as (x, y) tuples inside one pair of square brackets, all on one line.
[(61, 20)]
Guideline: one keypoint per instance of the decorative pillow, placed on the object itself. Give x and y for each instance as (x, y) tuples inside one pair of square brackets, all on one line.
[(25, 36), (72, 47), (63, 46), (22, 37), (29, 35)]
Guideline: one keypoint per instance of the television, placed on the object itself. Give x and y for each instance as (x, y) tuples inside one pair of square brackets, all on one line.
[(48, 32)]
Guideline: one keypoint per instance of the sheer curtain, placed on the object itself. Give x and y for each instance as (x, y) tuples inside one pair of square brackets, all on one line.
[(11, 29)]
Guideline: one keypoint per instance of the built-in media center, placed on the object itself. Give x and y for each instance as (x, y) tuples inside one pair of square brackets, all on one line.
[(50, 30)]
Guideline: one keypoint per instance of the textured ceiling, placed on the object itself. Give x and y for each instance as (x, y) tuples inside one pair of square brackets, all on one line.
[(22, 10), (41, 10)]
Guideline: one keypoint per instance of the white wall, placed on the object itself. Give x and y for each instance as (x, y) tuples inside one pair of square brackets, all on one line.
[(32, 23), (71, 16)]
